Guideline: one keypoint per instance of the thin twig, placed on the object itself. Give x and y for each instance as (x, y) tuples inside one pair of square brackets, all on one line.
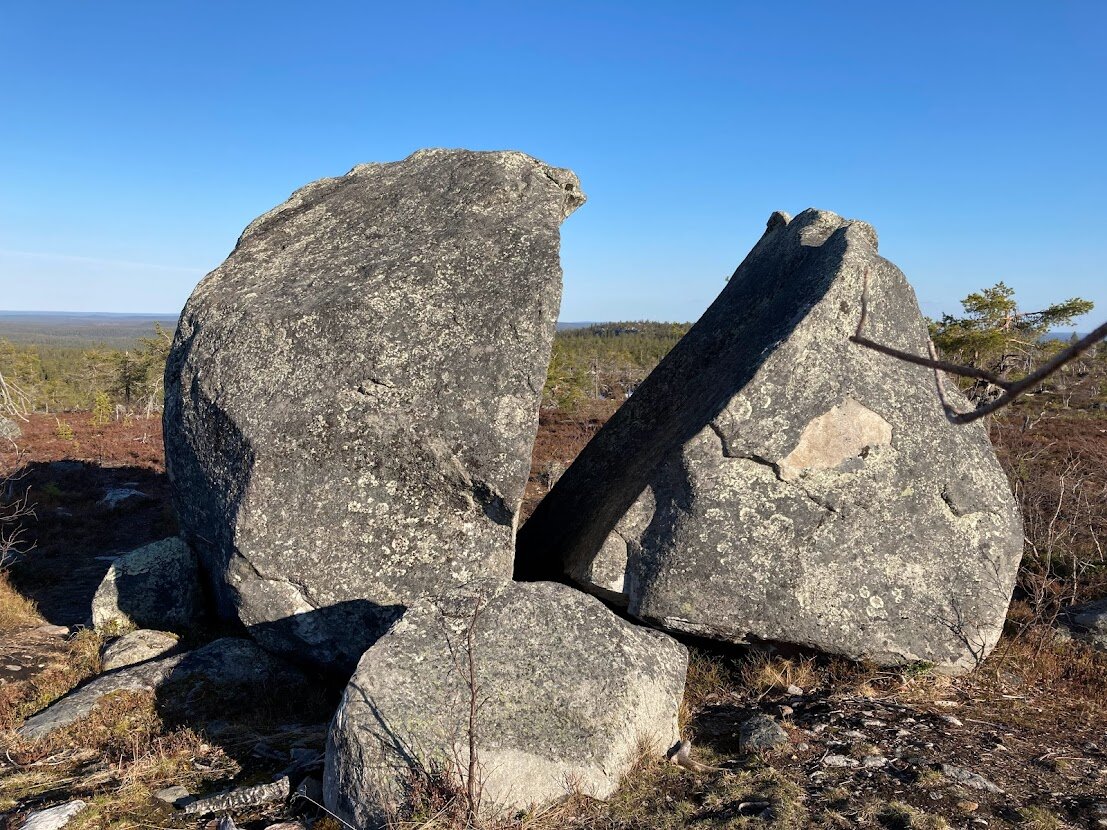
[(1012, 388)]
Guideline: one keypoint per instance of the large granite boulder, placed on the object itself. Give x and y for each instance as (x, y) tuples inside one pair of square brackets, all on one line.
[(771, 480), (566, 694), (156, 586), (352, 397)]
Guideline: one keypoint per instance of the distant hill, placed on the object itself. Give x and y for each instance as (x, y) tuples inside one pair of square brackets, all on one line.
[(77, 329), (80, 329), (561, 326)]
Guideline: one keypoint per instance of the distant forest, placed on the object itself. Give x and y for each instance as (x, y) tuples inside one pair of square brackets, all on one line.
[(57, 366)]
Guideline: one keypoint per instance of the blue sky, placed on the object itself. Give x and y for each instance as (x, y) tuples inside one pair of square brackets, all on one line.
[(137, 139)]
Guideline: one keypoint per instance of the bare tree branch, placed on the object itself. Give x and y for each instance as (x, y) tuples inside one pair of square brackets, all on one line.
[(1012, 389)]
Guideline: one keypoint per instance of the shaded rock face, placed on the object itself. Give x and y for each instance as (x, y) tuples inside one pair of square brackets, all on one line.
[(230, 670), (771, 480), (156, 586), (567, 691), (351, 398)]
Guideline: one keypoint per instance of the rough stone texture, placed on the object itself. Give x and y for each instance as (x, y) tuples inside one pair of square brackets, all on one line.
[(568, 690), (771, 480), (136, 647), (1087, 622), (761, 732), (352, 397), (227, 667), (10, 429), (156, 586), (241, 797), (53, 818)]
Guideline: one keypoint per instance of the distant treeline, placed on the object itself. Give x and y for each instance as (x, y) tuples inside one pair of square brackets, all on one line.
[(119, 332), (49, 378), (606, 361)]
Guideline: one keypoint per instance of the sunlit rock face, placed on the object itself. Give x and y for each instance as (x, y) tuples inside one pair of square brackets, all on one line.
[(352, 397), (771, 480)]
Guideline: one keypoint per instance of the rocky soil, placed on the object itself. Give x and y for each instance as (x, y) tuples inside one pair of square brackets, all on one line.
[(1021, 743)]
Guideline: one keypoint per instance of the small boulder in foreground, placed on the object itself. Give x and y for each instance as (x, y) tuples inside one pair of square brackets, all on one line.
[(567, 692)]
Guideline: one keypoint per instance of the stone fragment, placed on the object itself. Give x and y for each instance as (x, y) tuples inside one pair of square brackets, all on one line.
[(968, 778), (240, 798), (773, 481), (567, 694), (1087, 623), (761, 732), (54, 818), (174, 796), (136, 647), (841, 761), (156, 586), (352, 397), (116, 497), (10, 429)]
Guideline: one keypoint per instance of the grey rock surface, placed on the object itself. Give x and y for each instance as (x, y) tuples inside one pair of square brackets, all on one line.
[(352, 397), (10, 429), (228, 666), (1087, 622), (116, 497), (771, 480), (53, 818), (174, 796), (567, 690), (761, 732), (156, 586), (968, 778), (136, 647)]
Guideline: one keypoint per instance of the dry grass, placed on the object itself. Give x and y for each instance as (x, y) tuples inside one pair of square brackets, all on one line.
[(22, 698), (16, 611), (764, 674), (115, 760)]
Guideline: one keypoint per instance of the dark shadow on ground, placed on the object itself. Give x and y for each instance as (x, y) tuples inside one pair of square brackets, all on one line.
[(76, 532)]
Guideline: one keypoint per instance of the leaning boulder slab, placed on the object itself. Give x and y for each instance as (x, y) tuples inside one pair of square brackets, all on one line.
[(567, 695), (352, 397), (136, 647), (771, 480), (227, 668), (156, 586)]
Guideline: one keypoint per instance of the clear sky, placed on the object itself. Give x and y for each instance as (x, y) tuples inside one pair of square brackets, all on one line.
[(137, 139)]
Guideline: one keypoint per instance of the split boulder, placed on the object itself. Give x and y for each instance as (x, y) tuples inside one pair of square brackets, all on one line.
[(567, 693), (352, 397), (771, 480)]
